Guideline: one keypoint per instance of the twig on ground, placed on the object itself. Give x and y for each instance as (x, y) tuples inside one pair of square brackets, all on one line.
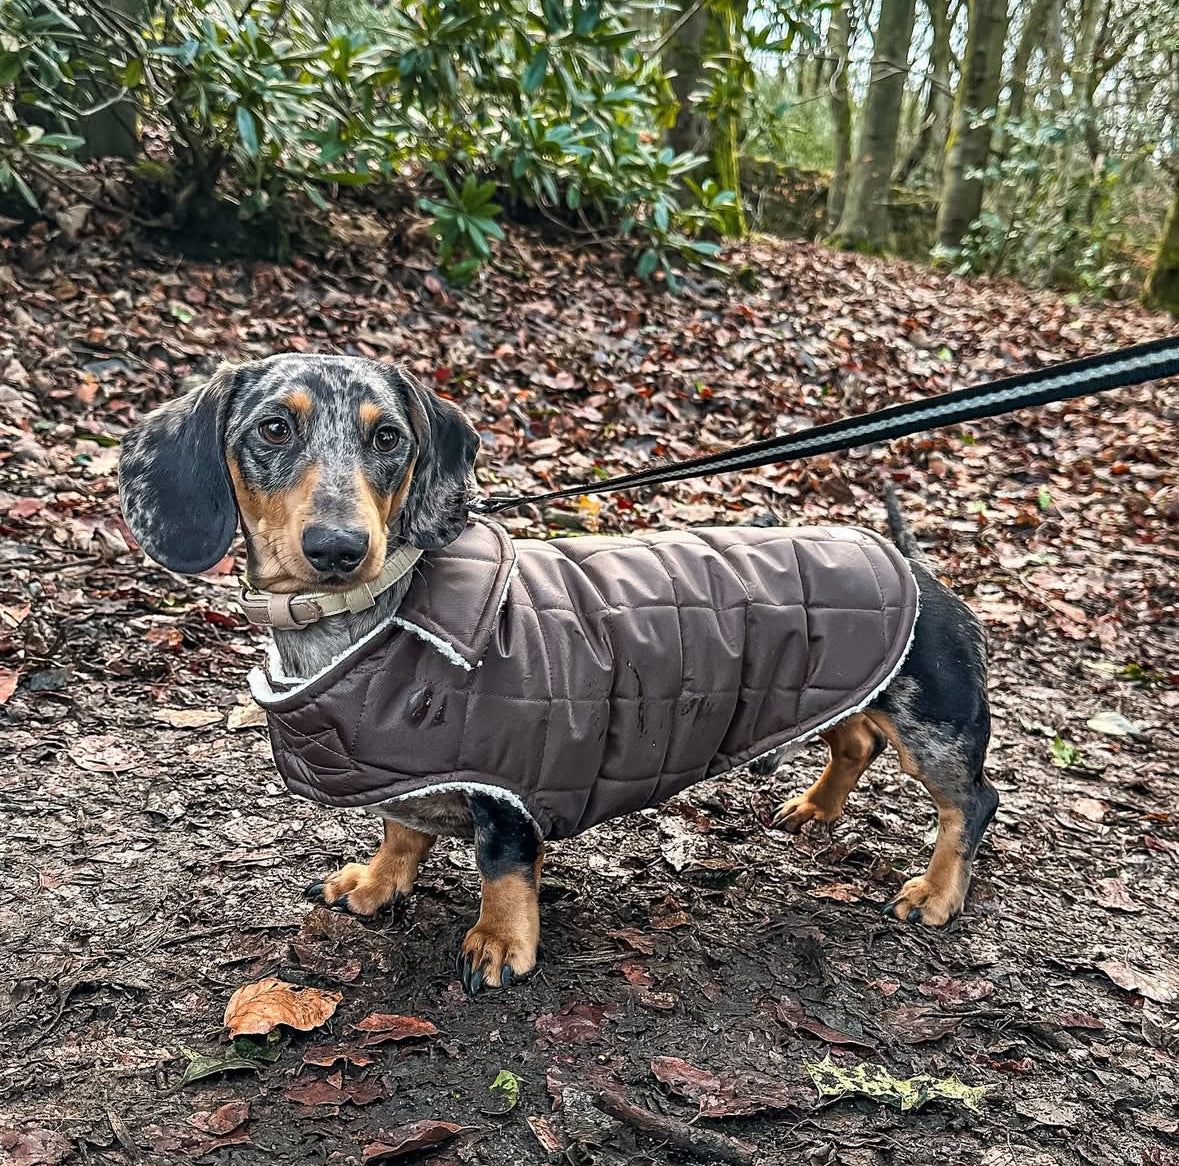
[(698, 1142)]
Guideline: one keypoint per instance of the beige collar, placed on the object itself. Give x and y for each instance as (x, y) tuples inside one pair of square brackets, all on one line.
[(288, 612)]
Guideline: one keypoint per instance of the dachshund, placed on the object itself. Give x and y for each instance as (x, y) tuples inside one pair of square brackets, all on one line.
[(332, 466)]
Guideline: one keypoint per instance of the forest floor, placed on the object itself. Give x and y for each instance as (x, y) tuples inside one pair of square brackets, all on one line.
[(695, 960)]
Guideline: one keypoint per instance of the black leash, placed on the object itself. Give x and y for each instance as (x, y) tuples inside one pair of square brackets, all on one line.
[(1059, 382)]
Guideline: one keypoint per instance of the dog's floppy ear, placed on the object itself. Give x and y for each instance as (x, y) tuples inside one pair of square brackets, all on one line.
[(435, 510), (174, 482)]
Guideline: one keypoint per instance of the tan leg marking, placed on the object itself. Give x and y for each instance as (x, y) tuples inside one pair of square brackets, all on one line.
[(853, 744), (939, 894), (508, 932), (387, 878)]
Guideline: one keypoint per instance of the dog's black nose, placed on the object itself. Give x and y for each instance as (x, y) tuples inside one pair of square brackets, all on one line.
[(335, 552)]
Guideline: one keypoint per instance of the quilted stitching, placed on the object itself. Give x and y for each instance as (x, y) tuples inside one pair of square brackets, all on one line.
[(619, 671)]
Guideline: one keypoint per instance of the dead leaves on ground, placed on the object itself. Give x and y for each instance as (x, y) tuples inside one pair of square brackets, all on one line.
[(408, 1139), (729, 1096), (256, 1009), (388, 1026), (875, 1081)]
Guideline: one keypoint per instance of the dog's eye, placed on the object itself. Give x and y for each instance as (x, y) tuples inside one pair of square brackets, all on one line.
[(386, 439), (275, 430)]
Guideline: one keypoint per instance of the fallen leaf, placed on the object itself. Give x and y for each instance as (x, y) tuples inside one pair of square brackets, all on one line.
[(875, 1081), (1079, 1020), (636, 972), (792, 1014), (327, 1055), (917, 1024), (105, 753), (346, 969), (635, 939), (317, 1091), (841, 892), (577, 1024), (408, 1138), (1112, 893), (1089, 808), (188, 718), (258, 1008), (200, 1066), (8, 679), (551, 1142), (386, 1026), (1047, 1111), (1115, 725), (246, 716), (735, 1096), (223, 1120), (947, 990), (36, 1147), (1161, 987), (503, 1094)]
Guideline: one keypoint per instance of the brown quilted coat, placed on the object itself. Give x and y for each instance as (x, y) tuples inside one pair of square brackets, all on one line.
[(590, 677)]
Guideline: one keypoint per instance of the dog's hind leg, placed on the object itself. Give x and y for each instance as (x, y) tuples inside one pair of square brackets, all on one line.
[(854, 743), (935, 714), (364, 888), (503, 945)]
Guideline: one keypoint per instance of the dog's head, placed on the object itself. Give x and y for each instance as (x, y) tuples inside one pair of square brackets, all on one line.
[(322, 458)]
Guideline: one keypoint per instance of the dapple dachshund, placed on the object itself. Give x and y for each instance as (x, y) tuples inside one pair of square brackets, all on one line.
[(340, 471)]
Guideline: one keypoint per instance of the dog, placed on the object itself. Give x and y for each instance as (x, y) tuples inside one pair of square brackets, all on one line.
[(350, 481)]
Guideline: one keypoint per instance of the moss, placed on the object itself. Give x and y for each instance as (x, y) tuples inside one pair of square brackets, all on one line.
[(1162, 286)]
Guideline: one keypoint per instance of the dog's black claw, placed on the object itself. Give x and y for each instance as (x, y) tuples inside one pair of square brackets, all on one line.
[(399, 898), (476, 981), (889, 909), (505, 977), (314, 892), (914, 916), (341, 904)]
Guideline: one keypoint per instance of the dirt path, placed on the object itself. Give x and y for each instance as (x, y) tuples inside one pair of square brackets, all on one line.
[(149, 870)]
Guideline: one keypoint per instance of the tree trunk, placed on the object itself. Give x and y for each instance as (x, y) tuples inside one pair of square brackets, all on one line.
[(1030, 37), (684, 58), (839, 47), (970, 139), (864, 223), (707, 32), (939, 103), (1162, 285)]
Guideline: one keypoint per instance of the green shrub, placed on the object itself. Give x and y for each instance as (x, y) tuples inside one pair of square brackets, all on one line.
[(545, 106)]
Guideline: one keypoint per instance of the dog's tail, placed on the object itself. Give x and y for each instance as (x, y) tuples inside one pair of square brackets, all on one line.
[(901, 531)]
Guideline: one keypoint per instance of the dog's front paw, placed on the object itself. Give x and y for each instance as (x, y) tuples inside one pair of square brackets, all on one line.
[(922, 901), (492, 957), (797, 812), (355, 888)]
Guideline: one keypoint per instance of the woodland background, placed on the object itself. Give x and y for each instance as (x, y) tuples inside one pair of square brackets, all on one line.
[(1037, 140), (502, 195)]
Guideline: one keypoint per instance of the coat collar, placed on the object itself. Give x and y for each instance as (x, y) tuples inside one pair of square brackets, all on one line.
[(459, 591)]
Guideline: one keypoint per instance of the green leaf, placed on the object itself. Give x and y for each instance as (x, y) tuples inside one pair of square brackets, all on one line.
[(648, 261), (1066, 756), (254, 1048), (537, 68), (503, 1094), (247, 130), (1043, 499), (200, 1065), (875, 1081)]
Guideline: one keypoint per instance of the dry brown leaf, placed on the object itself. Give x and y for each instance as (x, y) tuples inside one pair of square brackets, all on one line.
[(188, 718), (260, 1008), (408, 1138), (386, 1026)]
